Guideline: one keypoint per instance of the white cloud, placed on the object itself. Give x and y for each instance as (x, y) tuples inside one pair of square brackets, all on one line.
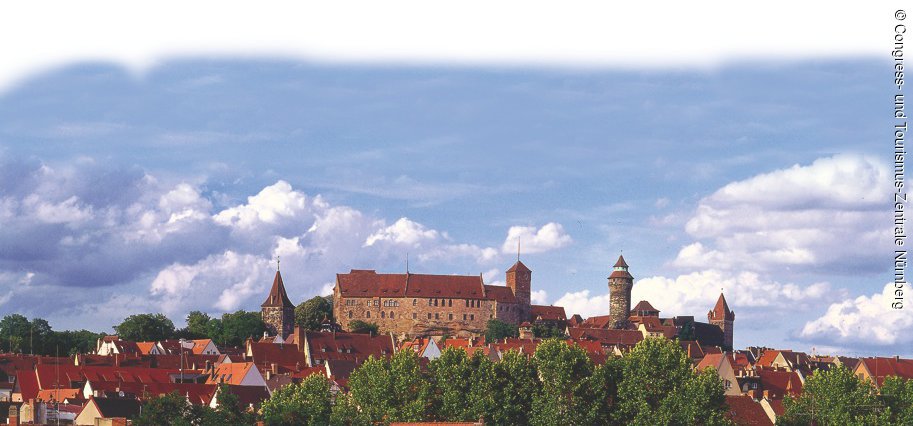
[(383, 33), (405, 232), (865, 320), (549, 237), (829, 214), (539, 297), (272, 204), (697, 292)]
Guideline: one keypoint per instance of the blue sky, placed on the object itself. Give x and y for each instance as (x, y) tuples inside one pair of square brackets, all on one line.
[(175, 190)]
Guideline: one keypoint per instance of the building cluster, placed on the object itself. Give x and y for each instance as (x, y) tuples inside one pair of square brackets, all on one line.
[(425, 314)]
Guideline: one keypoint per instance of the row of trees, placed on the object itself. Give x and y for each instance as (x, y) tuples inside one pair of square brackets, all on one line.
[(230, 330), (18, 334), (559, 385)]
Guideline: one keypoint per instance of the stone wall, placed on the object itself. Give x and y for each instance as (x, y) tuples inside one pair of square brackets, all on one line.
[(620, 300), (418, 317), (278, 320)]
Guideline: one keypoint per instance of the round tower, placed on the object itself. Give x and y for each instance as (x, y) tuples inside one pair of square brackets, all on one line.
[(620, 283)]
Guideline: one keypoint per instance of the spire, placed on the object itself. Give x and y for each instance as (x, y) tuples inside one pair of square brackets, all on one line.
[(621, 262), (277, 295), (620, 270), (721, 310)]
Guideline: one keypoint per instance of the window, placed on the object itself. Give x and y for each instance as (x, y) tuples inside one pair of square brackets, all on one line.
[(467, 303), (375, 303), (429, 315), (350, 314), (472, 317), (368, 314), (391, 314), (450, 316), (414, 302), (449, 302), (414, 315), (464, 317), (437, 316), (369, 302), (435, 302), (429, 302), (727, 384), (383, 314)]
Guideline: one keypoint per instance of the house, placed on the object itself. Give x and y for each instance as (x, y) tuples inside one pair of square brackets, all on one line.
[(423, 346), (723, 366), (318, 347), (205, 347), (743, 410), (248, 396), (237, 373), (774, 408), (776, 384), (549, 316), (877, 369), (109, 345), (107, 408)]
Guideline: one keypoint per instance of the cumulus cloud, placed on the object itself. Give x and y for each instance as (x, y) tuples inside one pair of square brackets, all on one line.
[(403, 231), (270, 206), (697, 292), (549, 237), (539, 297), (864, 320), (826, 215)]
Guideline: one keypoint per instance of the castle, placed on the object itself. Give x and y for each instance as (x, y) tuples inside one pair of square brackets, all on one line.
[(461, 305)]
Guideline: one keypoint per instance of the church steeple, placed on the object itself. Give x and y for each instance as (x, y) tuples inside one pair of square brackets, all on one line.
[(277, 311), (277, 296)]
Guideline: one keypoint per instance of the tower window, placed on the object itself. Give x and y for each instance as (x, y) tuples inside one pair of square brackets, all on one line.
[(414, 315), (437, 316), (435, 302)]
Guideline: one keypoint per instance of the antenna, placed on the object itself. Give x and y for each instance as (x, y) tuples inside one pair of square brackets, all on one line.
[(277, 263), (518, 249), (407, 262)]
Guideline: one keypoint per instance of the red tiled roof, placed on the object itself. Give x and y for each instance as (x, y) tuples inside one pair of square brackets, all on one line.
[(880, 368), (607, 337), (59, 394), (145, 347), (519, 266), (353, 346), (28, 384), (644, 306), (621, 262), (359, 283), (197, 393), (287, 357), (599, 321), (767, 358), (500, 293), (721, 310), (524, 346), (575, 320), (547, 313), (277, 295), (711, 360), (780, 383), (743, 410), (231, 373), (692, 348)]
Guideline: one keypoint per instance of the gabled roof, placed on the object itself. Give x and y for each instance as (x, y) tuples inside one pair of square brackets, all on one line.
[(351, 346), (519, 267), (743, 410), (500, 293), (780, 383), (607, 336), (287, 357), (547, 313), (721, 310), (621, 262), (231, 373), (116, 407), (277, 296), (59, 394), (599, 321), (644, 306)]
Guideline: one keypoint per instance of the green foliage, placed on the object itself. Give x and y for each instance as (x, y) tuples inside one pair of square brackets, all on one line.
[(305, 403), (310, 313), (835, 397), (496, 330), (359, 326), (391, 390), (658, 387), (18, 334), (514, 383), (687, 331), (564, 396), (237, 327), (145, 327), (543, 331), (171, 409), (462, 385), (897, 395), (346, 413)]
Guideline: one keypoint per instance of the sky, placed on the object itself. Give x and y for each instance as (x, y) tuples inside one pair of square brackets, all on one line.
[(170, 180)]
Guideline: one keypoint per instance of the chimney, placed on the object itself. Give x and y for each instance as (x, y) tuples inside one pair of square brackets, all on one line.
[(274, 368), (13, 416)]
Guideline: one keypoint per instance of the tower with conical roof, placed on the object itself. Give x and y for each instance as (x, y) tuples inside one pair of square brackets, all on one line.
[(722, 317), (277, 311), (620, 284)]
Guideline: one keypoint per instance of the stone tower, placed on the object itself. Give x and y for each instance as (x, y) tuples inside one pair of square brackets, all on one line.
[(723, 318), (519, 279), (277, 311), (620, 283)]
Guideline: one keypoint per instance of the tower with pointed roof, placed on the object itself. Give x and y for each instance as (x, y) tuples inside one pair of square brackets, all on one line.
[(277, 310), (519, 281), (620, 283), (722, 317)]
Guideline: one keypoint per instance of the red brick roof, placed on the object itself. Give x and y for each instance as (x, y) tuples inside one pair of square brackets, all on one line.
[(352, 346), (880, 368), (721, 310), (644, 306), (287, 357), (743, 410), (519, 266), (548, 313), (780, 383), (621, 262), (599, 321), (231, 373), (361, 283), (500, 293), (277, 295), (28, 384), (607, 337)]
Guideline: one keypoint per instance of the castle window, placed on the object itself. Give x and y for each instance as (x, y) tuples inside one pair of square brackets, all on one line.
[(383, 314), (450, 316), (414, 315), (368, 314), (472, 317), (391, 314), (435, 302), (437, 316), (464, 317), (429, 302), (375, 303), (369, 302), (449, 302), (467, 303), (414, 302), (350, 314), (429, 315)]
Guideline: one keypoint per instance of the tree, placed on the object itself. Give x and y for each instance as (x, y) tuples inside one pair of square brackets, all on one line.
[(687, 331), (496, 330), (346, 413), (563, 398), (391, 390), (145, 327), (835, 397), (310, 313), (897, 395), (658, 386), (543, 331), (14, 331), (197, 325), (514, 383), (230, 411), (171, 409), (238, 326), (307, 403), (451, 378), (359, 326)]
